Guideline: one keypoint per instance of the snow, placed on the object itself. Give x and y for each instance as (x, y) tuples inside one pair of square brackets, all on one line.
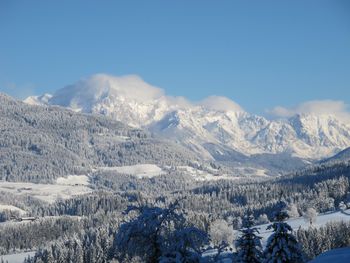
[(48, 192), (138, 170), (225, 257), (339, 255), (38, 100), (73, 180), (214, 175), (250, 171), (199, 175), (18, 257), (321, 220), (12, 208)]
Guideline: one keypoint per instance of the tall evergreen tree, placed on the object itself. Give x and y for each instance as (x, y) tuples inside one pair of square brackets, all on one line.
[(282, 246), (249, 245)]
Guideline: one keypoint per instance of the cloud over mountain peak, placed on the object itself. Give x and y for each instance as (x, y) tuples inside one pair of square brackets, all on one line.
[(335, 108), (220, 103)]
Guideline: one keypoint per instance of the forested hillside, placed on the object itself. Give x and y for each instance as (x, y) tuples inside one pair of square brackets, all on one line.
[(39, 144)]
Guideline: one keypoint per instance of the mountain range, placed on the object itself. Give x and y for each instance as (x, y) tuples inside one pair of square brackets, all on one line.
[(215, 128)]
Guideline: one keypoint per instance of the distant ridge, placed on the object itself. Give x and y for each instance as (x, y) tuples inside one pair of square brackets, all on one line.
[(215, 121)]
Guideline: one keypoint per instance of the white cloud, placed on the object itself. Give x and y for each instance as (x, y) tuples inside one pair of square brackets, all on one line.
[(220, 104), (336, 108), (179, 101), (87, 91)]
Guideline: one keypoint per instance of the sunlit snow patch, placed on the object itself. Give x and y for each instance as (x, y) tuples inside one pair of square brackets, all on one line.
[(45, 192), (138, 170), (12, 208), (17, 257), (73, 180), (200, 175)]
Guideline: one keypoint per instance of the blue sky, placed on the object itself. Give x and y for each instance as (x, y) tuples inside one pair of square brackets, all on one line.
[(258, 53)]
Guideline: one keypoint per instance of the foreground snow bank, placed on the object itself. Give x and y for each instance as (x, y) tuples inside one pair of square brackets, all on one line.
[(300, 222), (339, 255)]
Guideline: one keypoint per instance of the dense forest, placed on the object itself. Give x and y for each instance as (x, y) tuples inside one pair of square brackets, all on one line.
[(93, 226)]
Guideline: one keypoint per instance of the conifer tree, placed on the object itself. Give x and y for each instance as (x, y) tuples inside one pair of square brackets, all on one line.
[(249, 245), (282, 246)]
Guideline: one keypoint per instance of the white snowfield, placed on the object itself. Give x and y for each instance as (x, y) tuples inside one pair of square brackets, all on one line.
[(73, 180), (339, 255), (18, 257), (138, 170), (295, 223), (12, 208), (199, 175), (63, 189)]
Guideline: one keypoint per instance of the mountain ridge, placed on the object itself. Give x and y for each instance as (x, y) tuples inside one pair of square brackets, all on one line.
[(41, 143), (216, 120)]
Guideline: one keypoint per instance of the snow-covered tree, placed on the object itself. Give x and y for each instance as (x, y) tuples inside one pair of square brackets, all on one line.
[(262, 219), (159, 234), (292, 211), (310, 215), (220, 231), (249, 245), (342, 206), (282, 246)]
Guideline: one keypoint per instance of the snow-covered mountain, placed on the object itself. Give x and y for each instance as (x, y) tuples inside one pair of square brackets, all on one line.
[(213, 127)]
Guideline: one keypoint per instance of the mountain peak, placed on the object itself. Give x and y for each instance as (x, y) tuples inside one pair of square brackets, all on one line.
[(215, 120), (101, 88)]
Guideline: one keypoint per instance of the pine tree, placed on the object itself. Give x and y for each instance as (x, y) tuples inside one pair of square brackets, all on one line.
[(282, 246), (249, 245)]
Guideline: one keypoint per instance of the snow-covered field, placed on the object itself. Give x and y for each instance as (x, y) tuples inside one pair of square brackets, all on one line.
[(138, 170), (200, 175), (213, 175), (63, 189), (250, 171), (73, 180), (17, 258), (12, 208), (322, 219)]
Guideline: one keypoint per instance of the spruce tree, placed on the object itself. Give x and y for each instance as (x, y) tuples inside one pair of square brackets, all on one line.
[(282, 246), (249, 249)]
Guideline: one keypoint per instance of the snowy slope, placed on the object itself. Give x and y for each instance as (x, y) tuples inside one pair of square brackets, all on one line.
[(17, 257), (12, 208), (64, 188), (215, 120), (321, 220), (138, 170), (339, 255), (339, 157)]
